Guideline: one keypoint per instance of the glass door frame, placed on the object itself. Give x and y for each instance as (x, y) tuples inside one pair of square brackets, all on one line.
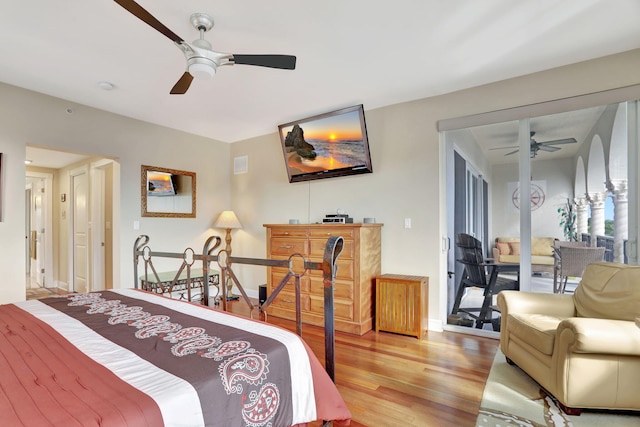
[(522, 114)]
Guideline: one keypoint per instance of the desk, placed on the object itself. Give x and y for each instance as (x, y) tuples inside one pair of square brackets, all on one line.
[(168, 283)]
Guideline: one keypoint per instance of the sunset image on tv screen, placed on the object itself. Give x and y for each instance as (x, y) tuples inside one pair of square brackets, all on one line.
[(330, 143)]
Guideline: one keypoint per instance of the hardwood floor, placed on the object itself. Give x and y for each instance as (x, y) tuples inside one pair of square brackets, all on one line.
[(390, 380)]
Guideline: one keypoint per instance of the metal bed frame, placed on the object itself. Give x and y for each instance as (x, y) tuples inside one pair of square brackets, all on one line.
[(332, 250)]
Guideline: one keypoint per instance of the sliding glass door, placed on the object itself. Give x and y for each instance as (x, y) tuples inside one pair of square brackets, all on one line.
[(511, 185)]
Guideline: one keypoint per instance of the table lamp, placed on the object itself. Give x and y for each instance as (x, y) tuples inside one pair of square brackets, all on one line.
[(228, 220)]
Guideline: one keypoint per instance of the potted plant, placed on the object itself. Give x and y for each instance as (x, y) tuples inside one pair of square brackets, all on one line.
[(568, 221)]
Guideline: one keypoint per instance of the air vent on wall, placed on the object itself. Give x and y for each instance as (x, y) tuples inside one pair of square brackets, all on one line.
[(240, 165)]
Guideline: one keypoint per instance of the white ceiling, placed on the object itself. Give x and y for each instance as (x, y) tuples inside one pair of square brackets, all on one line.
[(52, 159), (499, 141), (348, 52)]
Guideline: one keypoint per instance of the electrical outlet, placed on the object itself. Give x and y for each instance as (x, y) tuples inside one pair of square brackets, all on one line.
[(407, 223)]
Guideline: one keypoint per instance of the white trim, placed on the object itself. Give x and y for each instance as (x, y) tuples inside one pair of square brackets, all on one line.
[(613, 96), (96, 228)]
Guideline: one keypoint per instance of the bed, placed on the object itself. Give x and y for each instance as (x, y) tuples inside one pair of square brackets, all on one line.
[(130, 357)]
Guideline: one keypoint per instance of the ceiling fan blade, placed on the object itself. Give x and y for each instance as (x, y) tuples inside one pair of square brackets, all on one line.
[(548, 148), (181, 87), (503, 148), (285, 62), (513, 152), (560, 141), (142, 14)]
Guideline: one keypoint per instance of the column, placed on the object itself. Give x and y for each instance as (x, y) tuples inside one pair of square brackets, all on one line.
[(582, 216), (620, 217), (596, 200)]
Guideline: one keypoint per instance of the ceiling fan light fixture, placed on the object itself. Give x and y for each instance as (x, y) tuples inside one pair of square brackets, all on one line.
[(202, 60), (202, 71)]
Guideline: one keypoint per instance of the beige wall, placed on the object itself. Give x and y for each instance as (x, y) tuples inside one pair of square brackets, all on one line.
[(557, 176), (30, 118), (407, 181)]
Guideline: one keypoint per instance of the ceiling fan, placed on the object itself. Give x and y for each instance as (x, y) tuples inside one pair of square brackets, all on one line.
[(202, 61), (536, 146)]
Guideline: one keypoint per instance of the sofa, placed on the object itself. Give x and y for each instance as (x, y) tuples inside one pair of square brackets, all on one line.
[(583, 349), (507, 250)]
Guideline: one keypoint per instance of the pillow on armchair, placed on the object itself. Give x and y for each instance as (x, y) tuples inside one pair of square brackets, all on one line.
[(609, 291)]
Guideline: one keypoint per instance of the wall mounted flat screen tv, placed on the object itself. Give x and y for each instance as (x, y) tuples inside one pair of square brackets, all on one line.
[(327, 145)]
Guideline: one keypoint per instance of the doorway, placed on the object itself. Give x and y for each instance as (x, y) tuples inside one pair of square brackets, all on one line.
[(564, 157), (81, 220)]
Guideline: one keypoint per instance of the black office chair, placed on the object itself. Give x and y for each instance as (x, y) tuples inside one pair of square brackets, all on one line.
[(484, 275)]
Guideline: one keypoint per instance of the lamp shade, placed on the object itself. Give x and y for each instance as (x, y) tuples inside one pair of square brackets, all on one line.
[(227, 219)]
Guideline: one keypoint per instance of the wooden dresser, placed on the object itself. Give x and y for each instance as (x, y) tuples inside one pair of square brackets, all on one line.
[(358, 265)]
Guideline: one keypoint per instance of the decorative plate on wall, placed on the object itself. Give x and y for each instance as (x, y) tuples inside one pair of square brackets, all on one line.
[(536, 196)]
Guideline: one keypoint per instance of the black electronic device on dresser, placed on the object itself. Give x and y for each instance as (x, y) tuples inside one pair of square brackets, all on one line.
[(337, 219)]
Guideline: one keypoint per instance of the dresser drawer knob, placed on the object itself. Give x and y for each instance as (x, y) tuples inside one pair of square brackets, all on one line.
[(286, 247)]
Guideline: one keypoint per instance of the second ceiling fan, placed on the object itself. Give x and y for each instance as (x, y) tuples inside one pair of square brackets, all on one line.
[(536, 146), (202, 60)]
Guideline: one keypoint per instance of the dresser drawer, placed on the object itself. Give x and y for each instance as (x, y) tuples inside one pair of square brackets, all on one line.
[(297, 264), (342, 290), (289, 232), (278, 273), (345, 269), (327, 231), (287, 301), (317, 248), (288, 246), (341, 309)]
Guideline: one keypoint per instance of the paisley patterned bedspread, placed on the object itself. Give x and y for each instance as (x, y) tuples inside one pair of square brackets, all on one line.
[(131, 358)]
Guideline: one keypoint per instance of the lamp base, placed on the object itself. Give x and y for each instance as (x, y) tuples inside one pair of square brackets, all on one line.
[(233, 298)]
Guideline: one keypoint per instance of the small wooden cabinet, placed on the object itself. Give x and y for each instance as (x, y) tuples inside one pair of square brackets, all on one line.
[(402, 304), (358, 265)]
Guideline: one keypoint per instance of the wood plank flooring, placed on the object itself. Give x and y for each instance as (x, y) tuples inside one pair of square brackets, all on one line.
[(390, 380)]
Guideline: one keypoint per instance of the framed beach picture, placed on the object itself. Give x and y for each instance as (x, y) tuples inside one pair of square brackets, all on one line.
[(327, 145)]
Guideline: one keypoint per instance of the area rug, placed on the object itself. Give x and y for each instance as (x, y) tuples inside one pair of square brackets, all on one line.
[(512, 398)]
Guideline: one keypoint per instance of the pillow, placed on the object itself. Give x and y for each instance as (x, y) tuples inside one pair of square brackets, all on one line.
[(515, 248), (542, 246), (504, 248), (609, 291)]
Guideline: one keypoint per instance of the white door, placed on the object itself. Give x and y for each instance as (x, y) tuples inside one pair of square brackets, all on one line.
[(80, 232), (38, 226)]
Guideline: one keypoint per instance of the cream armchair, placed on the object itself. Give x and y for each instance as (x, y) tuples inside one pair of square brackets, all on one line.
[(584, 349)]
